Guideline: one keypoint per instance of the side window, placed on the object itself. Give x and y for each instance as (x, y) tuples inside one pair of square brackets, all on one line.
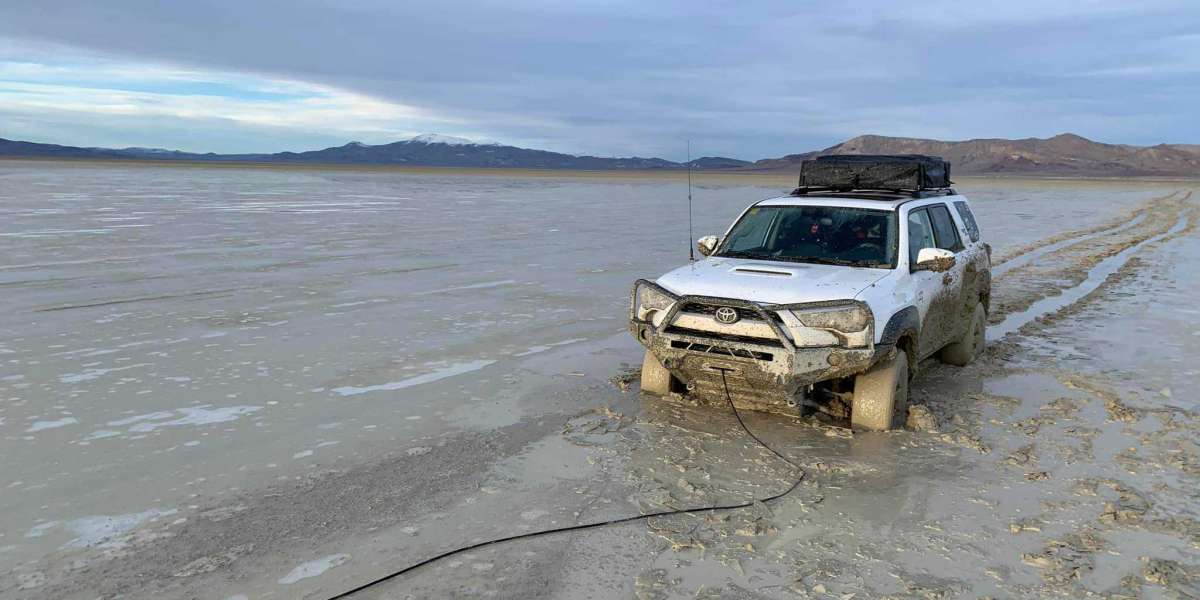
[(920, 234), (968, 219), (944, 229)]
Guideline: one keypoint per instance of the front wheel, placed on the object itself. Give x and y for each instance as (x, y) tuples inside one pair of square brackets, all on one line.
[(881, 396), (963, 351), (656, 379)]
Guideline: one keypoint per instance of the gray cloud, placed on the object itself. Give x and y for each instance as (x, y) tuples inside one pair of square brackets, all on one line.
[(745, 79)]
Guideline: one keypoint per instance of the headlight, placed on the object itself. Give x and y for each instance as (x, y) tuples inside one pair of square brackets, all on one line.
[(852, 324), (647, 301)]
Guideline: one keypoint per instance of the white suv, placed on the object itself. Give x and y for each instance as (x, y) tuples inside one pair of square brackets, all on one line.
[(827, 299)]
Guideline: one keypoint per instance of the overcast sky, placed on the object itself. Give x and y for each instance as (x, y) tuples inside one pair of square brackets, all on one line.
[(741, 79)]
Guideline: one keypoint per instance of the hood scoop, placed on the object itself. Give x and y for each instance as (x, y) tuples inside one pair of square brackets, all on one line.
[(767, 271), (769, 282)]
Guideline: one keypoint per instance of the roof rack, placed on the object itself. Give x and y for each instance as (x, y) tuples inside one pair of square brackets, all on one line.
[(912, 174), (926, 193)]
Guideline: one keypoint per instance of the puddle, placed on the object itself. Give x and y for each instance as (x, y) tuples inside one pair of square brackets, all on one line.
[(197, 415), (438, 375), (314, 568), (99, 530), (43, 425)]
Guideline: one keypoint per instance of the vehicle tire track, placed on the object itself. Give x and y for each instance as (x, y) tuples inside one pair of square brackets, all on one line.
[(1005, 261), (1097, 276), (1070, 265), (1020, 260), (1187, 225)]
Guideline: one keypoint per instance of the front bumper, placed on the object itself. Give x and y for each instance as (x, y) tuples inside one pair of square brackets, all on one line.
[(759, 372)]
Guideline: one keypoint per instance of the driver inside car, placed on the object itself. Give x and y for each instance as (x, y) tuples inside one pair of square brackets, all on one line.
[(799, 237)]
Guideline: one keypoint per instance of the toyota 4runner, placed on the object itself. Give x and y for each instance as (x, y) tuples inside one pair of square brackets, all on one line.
[(827, 298)]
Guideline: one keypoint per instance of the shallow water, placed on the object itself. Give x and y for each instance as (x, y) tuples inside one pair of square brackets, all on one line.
[(1150, 327), (175, 336)]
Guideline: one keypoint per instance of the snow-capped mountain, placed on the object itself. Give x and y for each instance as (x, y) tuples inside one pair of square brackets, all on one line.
[(449, 140), (433, 150)]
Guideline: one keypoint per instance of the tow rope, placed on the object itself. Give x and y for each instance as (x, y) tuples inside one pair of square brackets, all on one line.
[(728, 397)]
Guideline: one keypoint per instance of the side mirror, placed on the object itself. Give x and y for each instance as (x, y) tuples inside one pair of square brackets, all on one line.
[(934, 259), (707, 244)]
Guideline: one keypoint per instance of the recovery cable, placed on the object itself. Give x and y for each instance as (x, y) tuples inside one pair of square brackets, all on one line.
[(728, 397)]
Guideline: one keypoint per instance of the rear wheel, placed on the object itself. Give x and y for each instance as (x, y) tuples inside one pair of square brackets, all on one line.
[(962, 352), (656, 379), (881, 396)]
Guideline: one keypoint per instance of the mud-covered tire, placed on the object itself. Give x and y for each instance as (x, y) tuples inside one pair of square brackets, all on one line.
[(656, 379), (962, 352), (881, 396)]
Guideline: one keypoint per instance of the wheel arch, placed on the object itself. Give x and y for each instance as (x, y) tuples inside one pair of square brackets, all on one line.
[(903, 330), (985, 290)]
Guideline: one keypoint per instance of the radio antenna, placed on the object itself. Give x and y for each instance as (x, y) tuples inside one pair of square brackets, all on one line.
[(691, 246)]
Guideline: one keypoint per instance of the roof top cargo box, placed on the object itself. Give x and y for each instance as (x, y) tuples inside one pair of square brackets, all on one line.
[(907, 172)]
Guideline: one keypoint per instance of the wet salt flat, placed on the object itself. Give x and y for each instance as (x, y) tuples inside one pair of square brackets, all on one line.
[(173, 336)]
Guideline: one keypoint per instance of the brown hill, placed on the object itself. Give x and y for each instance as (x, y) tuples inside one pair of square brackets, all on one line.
[(1062, 155), (1065, 155)]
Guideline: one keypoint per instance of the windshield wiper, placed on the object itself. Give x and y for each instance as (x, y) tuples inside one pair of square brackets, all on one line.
[(820, 260), (825, 260), (743, 254)]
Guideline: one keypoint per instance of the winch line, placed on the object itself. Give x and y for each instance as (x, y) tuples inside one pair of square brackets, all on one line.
[(728, 397)]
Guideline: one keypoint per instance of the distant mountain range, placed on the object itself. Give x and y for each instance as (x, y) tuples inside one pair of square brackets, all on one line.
[(429, 150), (1062, 155)]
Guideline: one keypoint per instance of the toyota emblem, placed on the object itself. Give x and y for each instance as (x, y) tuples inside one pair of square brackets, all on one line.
[(727, 315)]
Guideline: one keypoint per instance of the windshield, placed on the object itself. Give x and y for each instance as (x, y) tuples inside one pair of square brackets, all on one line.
[(837, 235)]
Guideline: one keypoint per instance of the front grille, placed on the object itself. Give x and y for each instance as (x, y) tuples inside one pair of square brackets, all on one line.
[(721, 350), (710, 309), (725, 336)]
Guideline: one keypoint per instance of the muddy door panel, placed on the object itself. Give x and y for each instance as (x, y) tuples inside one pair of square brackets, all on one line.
[(948, 301), (932, 297), (947, 305)]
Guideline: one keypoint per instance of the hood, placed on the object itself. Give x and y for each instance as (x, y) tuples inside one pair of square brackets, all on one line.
[(769, 282)]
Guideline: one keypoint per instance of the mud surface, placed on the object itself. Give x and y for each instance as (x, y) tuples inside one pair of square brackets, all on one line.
[(285, 384)]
